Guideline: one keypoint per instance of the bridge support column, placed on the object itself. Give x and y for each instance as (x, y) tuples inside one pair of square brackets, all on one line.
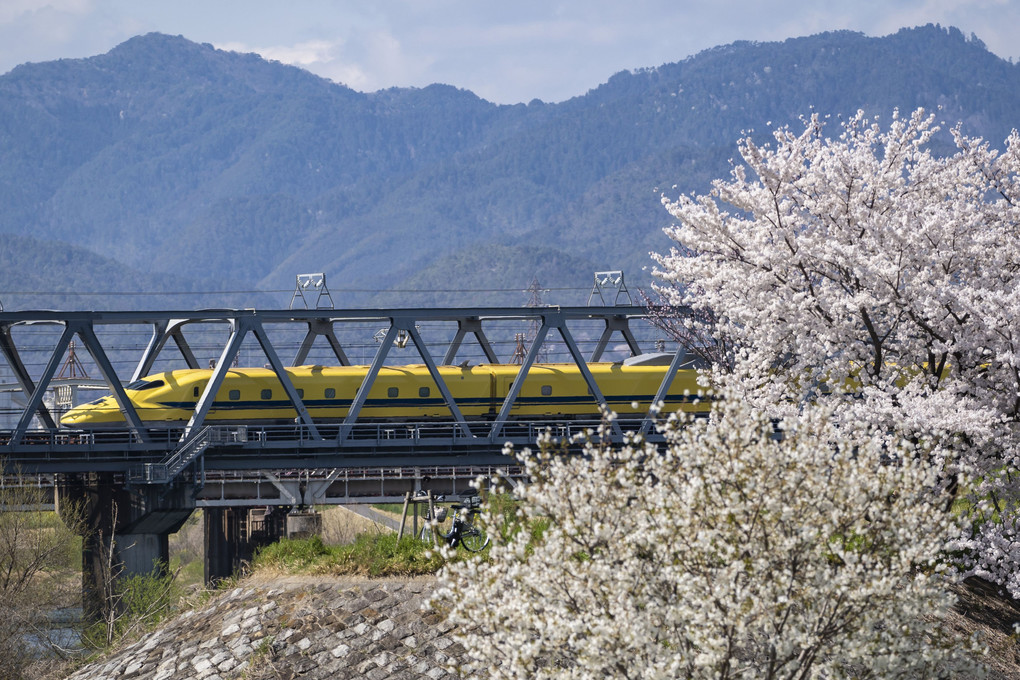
[(233, 534), (125, 531), (221, 529), (143, 553), (132, 555)]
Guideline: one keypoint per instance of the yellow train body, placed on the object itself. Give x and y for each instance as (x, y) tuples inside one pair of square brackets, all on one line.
[(399, 393)]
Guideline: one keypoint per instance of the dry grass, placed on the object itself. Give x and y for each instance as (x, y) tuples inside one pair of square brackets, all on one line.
[(340, 526), (983, 610), (187, 552)]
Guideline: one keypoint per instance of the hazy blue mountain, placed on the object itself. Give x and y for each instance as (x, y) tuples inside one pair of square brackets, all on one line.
[(169, 165)]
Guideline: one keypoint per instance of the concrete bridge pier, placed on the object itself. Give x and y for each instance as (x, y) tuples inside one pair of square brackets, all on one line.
[(125, 530), (233, 534)]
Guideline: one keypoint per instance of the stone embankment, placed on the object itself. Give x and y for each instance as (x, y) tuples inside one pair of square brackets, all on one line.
[(297, 628)]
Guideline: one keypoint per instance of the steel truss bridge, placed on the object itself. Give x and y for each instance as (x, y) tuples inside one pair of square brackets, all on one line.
[(140, 484), (203, 452)]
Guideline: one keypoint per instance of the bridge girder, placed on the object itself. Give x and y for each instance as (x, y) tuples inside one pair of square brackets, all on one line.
[(50, 449)]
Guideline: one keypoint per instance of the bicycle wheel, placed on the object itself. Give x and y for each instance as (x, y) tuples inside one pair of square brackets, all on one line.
[(426, 535), (473, 538)]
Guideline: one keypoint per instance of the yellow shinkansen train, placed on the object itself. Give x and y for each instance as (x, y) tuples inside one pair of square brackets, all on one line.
[(399, 393)]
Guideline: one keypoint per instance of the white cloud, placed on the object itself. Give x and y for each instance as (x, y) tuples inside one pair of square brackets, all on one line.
[(15, 10), (370, 61), (33, 30), (505, 52), (305, 54)]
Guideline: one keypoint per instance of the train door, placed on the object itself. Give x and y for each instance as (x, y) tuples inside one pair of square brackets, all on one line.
[(504, 383)]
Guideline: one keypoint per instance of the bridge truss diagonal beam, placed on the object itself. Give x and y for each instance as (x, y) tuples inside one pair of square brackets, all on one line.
[(582, 365), (323, 327), (549, 322), (288, 385), (678, 359), (615, 324), (152, 350), (239, 329), (95, 348), (401, 324), (163, 330), (464, 326), (522, 373), (373, 371), (28, 386), (206, 399), (408, 326), (84, 330), (35, 399)]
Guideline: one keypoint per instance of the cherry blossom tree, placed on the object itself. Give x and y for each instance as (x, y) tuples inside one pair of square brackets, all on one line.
[(870, 271), (733, 553)]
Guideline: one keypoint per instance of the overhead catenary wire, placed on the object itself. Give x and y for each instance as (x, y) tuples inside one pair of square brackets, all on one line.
[(373, 291)]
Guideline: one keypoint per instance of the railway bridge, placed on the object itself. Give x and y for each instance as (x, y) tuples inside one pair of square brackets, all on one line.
[(138, 484)]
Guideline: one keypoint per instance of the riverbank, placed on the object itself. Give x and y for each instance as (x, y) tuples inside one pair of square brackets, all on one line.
[(279, 626), (317, 622), (275, 625)]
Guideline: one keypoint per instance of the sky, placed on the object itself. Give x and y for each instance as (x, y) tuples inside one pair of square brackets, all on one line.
[(505, 52)]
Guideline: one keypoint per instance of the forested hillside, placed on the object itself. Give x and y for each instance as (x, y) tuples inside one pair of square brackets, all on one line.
[(170, 166)]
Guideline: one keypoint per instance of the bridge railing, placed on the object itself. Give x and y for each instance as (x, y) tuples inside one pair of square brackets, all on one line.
[(395, 434), (255, 436), (163, 456)]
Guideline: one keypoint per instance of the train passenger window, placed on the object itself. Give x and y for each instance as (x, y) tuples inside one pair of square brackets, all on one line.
[(330, 393), (234, 395), (423, 392), (392, 392), (546, 390), (267, 394)]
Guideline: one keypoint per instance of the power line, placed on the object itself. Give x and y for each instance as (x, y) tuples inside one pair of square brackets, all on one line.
[(287, 291)]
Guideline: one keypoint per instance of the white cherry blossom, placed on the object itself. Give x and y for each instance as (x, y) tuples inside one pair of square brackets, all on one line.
[(873, 271), (730, 554)]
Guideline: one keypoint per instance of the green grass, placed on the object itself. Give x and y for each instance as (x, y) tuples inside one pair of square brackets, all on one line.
[(369, 555), (377, 554), (190, 573)]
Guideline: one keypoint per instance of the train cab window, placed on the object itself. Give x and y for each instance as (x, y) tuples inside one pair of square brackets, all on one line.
[(139, 385), (300, 393), (392, 392), (423, 392), (267, 394), (330, 393), (546, 390), (234, 395), (195, 391)]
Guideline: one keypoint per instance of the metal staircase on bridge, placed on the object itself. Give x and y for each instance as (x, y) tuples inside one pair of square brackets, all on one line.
[(165, 471)]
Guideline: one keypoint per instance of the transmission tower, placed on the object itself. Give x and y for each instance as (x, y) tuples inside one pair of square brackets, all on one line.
[(535, 300), (519, 350), (72, 367)]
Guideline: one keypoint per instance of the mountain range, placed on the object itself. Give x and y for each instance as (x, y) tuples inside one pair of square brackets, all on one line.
[(167, 173)]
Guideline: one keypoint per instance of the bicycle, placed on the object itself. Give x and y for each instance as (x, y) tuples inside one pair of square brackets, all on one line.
[(463, 531)]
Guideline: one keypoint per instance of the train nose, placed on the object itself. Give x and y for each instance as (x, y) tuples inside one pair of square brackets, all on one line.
[(80, 415), (74, 416)]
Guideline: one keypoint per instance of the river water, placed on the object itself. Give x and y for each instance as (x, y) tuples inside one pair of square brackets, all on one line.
[(62, 632)]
